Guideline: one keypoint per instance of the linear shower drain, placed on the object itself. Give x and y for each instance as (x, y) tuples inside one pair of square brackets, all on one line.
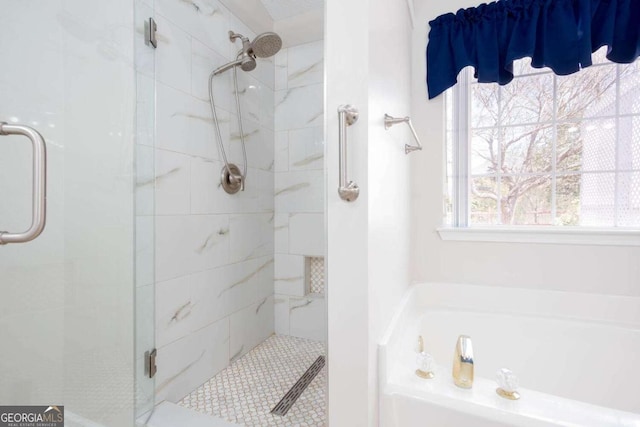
[(300, 386)]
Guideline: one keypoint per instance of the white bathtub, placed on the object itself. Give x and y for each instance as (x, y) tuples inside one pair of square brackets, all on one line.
[(577, 357)]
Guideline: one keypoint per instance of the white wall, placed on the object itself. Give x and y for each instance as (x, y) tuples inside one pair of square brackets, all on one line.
[(389, 169), (215, 263), (595, 269), (299, 188), (214, 251), (368, 240), (347, 223)]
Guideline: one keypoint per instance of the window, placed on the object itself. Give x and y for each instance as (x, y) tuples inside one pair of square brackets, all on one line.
[(546, 150)]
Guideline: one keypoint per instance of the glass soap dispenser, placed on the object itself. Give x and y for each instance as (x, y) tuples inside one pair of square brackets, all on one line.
[(507, 384)]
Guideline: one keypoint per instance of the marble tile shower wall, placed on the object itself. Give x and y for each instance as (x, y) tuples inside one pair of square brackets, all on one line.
[(214, 251), (299, 188)]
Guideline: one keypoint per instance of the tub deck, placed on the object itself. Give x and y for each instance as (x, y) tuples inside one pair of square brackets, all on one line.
[(573, 353)]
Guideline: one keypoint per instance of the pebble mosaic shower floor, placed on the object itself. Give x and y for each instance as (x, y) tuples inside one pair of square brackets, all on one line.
[(247, 390)]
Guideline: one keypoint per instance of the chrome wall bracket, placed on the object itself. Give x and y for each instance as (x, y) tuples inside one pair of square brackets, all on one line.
[(150, 30), (347, 115), (39, 184), (390, 121)]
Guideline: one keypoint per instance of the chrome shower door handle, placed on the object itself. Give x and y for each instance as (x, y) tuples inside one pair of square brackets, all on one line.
[(347, 115), (39, 191)]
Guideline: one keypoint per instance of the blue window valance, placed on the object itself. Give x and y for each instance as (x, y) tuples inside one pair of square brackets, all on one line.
[(559, 34)]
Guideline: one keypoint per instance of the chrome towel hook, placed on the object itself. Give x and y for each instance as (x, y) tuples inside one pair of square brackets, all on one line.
[(390, 121)]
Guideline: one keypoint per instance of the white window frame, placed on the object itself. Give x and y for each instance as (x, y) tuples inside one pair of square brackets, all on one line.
[(460, 228)]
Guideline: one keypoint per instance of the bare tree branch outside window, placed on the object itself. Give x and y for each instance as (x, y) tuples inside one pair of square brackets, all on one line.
[(556, 150)]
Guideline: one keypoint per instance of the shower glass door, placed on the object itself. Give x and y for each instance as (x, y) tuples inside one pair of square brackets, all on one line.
[(144, 64), (67, 300)]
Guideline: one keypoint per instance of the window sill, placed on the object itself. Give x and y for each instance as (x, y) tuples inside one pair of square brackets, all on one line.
[(557, 236)]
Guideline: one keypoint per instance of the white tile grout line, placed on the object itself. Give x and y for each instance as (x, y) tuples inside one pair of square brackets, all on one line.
[(247, 390)]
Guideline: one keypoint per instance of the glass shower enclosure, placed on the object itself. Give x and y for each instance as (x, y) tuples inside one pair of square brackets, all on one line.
[(70, 297), (132, 174)]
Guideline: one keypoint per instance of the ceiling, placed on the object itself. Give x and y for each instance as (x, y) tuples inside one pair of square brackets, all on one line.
[(282, 9), (296, 21)]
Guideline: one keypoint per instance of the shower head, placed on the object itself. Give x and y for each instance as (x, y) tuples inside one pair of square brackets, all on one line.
[(266, 45), (263, 46), (247, 63)]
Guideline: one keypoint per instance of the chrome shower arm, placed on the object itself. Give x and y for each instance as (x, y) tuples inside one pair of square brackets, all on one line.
[(233, 36)]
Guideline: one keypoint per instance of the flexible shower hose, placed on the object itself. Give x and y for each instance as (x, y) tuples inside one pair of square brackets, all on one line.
[(243, 177)]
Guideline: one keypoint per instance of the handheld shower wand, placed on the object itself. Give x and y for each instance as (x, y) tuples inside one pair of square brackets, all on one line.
[(263, 46)]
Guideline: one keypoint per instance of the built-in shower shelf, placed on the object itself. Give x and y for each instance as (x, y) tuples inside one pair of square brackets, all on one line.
[(315, 275)]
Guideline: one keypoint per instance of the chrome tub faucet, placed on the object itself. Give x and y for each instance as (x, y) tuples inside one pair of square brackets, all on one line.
[(463, 362)]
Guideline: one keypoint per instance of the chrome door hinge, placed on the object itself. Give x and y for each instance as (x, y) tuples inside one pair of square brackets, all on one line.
[(150, 29), (150, 367)]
